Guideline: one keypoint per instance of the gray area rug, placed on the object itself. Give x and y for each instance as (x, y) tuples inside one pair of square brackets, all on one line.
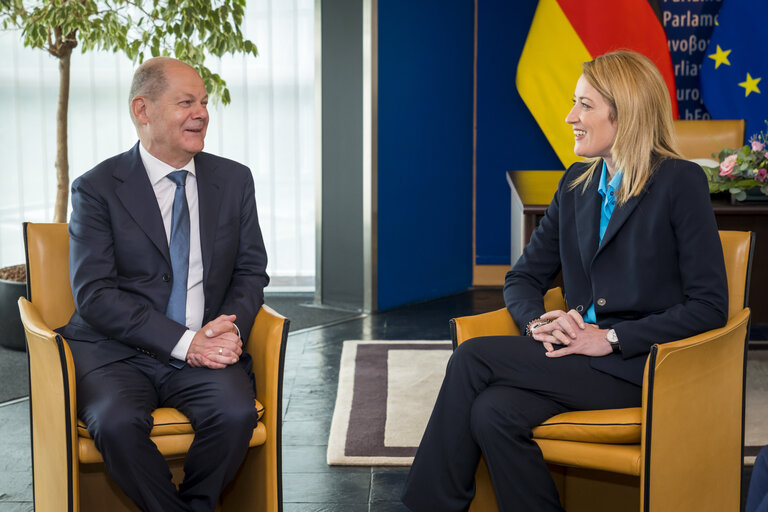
[(387, 390), (756, 425)]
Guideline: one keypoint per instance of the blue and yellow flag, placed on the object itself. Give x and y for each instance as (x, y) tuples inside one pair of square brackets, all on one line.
[(734, 73)]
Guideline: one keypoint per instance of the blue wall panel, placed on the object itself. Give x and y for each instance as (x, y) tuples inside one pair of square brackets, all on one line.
[(424, 149), (507, 135)]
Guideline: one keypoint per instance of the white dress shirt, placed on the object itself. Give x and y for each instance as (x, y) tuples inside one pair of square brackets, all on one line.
[(164, 191)]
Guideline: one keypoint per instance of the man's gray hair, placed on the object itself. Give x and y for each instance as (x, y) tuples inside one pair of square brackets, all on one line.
[(149, 80)]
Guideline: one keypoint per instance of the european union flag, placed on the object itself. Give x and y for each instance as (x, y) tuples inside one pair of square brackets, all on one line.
[(734, 74)]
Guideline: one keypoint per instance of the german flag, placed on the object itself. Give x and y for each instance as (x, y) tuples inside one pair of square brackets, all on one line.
[(566, 33)]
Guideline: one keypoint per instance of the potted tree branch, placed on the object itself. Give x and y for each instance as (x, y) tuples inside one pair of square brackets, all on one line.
[(186, 29)]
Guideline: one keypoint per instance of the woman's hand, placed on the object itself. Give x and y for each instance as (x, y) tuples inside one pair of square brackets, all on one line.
[(573, 333), (590, 341), (560, 330)]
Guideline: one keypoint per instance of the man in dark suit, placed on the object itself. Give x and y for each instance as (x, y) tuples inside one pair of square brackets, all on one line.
[(168, 268)]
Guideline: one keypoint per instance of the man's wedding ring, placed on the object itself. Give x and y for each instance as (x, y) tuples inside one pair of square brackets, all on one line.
[(221, 350)]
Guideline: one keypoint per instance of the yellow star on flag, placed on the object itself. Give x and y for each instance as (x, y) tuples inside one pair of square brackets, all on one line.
[(720, 57), (750, 85)]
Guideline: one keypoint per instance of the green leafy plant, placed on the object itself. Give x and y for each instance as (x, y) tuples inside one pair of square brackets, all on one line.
[(186, 29), (741, 169)]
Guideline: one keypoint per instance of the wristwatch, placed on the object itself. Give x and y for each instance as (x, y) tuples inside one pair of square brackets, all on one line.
[(613, 339)]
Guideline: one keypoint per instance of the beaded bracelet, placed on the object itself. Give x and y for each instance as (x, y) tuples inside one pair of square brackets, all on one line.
[(533, 324)]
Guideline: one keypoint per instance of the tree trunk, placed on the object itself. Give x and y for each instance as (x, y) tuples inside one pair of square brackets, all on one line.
[(62, 160)]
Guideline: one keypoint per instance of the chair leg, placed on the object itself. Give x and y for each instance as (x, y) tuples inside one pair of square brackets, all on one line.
[(589, 490), (485, 498), (254, 487), (581, 490), (99, 492)]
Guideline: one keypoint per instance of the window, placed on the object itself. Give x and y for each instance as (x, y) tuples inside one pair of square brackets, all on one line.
[(268, 126)]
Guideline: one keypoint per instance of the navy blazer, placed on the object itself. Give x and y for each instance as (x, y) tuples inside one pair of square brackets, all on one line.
[(657, 276), (120, 266)]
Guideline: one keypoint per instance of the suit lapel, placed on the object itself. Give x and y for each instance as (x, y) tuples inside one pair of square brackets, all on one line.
[(620, 216), (587, 215), (209, 200), (137, 196)]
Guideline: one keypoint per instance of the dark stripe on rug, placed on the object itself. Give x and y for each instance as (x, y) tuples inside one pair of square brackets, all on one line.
[(368, 416)]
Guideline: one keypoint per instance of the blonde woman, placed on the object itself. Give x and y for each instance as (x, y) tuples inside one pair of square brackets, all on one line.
[(633, 232)]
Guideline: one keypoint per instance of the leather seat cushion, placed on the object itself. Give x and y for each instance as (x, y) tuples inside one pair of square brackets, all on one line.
[(167, 422), (171, 446), (609, 426), (615, 458)]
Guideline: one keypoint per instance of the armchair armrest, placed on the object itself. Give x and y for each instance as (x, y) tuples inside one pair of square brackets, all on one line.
[(260, 481), (499, 322), (52, 388), (495, 323), (693, 404), (266, 344)]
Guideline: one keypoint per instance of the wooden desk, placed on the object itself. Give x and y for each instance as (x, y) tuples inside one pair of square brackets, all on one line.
[(531, 192)]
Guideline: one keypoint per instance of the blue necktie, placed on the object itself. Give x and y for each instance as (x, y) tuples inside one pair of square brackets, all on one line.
[(179, 248)]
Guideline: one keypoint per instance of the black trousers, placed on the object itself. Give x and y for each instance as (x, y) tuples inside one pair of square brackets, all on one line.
[(116, 402), (496, 390)]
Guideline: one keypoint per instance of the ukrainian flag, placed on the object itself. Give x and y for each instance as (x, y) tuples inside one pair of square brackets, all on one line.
[(734, 74)]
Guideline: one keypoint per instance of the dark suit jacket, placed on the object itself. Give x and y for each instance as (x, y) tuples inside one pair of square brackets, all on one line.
[(657, 276), (120, 266)]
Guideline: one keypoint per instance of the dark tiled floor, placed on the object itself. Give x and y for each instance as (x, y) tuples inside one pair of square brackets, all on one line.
[(15, 467), (311, 377)]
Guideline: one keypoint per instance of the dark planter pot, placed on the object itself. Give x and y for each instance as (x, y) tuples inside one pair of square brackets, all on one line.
[(754, 196), (11, 330)]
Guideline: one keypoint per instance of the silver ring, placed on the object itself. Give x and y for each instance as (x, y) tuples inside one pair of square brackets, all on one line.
[(221, 350)]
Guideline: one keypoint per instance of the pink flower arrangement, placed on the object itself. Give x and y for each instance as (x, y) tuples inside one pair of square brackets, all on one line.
[(741, 169), (727, 165)]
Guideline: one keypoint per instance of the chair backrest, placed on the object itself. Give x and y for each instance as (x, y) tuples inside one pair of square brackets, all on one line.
[(48, 287), (737, 252), (701, 138)]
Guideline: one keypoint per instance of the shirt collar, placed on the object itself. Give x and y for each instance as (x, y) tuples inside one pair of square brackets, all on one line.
[(613, 186), (157, 169)]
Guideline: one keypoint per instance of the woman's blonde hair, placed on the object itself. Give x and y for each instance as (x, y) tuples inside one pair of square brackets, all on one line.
[(639, 102)]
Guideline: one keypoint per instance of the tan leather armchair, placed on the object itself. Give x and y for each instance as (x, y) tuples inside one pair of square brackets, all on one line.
[(682, 449), (702, 137), (68, 470)]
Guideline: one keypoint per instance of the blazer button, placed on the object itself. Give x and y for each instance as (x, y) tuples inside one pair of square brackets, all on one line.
[(166, 278), (601, 301), (579, 308)]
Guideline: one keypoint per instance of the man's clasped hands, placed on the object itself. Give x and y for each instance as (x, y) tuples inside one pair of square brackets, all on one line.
[(216, 345)]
